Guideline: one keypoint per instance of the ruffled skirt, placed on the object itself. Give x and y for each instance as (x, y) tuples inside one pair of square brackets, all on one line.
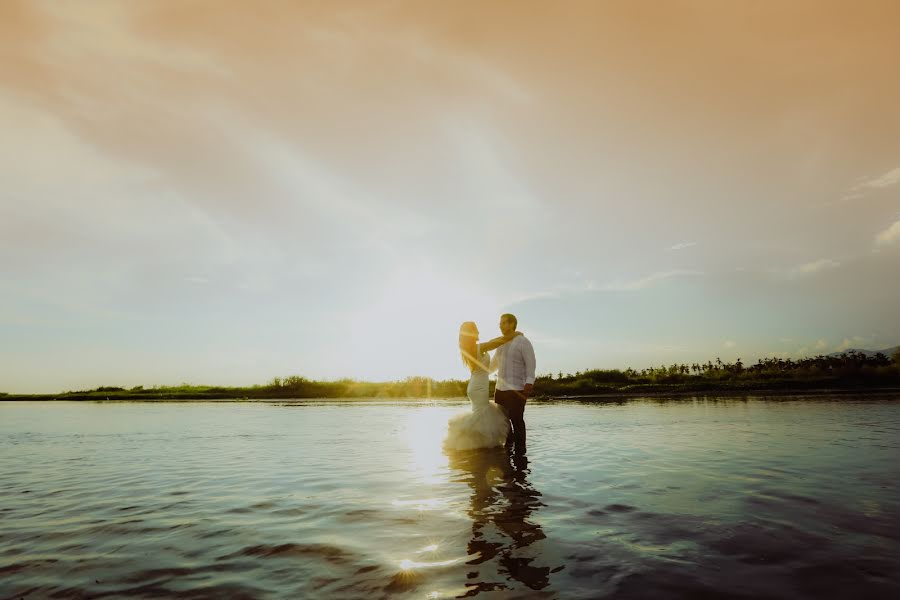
[(485, 427)]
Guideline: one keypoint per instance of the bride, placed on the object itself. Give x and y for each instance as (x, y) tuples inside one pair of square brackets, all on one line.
[(486, 425)]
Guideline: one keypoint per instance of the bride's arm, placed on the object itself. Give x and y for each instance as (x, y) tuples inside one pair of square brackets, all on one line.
[(497, 342)]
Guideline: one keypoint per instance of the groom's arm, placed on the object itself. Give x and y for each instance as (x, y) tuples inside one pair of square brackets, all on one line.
[(530, 364)]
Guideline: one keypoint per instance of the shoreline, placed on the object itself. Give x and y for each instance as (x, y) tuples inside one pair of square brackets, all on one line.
[(612, 395), (772, 392)]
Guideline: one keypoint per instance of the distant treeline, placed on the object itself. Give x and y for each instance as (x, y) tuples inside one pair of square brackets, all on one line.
[(849, 370), (286, 387)]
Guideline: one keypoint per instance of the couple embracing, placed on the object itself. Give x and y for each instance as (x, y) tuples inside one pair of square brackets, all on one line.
[(501, 422)]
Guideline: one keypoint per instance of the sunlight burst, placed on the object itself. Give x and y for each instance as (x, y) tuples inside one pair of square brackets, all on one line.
[(410, 325), (408, 565)]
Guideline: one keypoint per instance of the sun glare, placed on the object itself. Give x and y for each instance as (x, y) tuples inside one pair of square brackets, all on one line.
[(411, 327), (425, 429)]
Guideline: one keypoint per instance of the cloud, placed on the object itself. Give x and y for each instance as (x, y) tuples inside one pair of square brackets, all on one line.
[(859, 190), (287, 170), (815, 266), (888, 179), (729, 344), (648, 281), (889, 235), (682, 245), (852, 195), (820, 346), (486, 75), (564, 291), (857, 342)]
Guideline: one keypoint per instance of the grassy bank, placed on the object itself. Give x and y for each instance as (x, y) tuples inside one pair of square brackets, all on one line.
[(848, 372)]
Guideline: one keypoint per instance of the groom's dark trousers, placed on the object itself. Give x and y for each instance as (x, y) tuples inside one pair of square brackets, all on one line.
[(513, 404)]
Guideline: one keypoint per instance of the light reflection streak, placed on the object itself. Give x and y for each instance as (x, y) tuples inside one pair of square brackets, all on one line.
[(421, 504), (425, 429), (408, 565)]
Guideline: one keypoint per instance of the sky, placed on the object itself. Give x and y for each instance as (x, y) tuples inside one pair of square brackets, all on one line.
[(222, 192)]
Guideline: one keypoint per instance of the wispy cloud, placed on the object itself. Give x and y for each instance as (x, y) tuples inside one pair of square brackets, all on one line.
[(888, 179), (859, 190), (488, 75), (648, 281), (558, 291), (889, 235), (815, 266), (587, 286), (682, 246)]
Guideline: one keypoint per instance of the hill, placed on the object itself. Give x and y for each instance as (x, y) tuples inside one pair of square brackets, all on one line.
[(869, 353)]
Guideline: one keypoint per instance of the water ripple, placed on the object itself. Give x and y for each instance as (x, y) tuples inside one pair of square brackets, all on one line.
[(758, 498)]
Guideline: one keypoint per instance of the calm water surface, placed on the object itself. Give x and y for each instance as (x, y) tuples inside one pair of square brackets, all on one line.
[(777, 498)]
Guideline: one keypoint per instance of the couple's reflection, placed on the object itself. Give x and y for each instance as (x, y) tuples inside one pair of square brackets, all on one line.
[(502, 502)]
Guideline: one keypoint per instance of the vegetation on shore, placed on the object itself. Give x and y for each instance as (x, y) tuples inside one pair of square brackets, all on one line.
[(852, 370)]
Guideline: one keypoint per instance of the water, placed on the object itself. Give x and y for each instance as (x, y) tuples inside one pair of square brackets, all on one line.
[(686, 498)]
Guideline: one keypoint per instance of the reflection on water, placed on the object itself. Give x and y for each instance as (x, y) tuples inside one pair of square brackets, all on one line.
[(423, 429), (502, 504), (646, 499)]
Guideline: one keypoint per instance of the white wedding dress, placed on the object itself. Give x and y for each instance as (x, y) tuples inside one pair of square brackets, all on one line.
[(485, 425)]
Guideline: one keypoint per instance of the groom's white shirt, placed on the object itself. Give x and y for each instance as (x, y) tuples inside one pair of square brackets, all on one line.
[(515, 364)]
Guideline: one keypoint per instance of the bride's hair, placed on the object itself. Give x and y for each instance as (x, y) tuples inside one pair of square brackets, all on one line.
[(468, 346)]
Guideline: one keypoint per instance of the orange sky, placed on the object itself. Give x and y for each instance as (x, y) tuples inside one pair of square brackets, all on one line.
[(256, 183)]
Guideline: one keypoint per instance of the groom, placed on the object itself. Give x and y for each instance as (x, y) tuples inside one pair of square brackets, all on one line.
[(515, 365)]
